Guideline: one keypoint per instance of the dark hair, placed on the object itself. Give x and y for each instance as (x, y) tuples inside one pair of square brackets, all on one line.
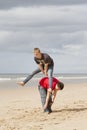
[(61, 85)]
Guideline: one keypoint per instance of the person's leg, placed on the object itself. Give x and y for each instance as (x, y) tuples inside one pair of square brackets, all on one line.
[(31, 75), (43, 94), (50, 76)]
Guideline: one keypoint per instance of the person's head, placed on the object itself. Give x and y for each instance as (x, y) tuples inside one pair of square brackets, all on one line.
[(37, 53), (60, 86)]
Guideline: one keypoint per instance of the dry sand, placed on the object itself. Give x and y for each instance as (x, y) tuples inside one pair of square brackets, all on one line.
[(20, 108)]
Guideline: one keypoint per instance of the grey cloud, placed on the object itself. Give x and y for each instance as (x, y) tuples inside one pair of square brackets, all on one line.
[(65, 43), (60, 31), (6, 4), (53, 29), (46, 18)]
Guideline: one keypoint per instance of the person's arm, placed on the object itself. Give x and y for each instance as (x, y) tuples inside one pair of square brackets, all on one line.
[(47, 99), (41, 68), (46, 69), (39, 64), (54, 95)]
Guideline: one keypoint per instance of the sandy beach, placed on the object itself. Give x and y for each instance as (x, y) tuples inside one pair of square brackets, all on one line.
[(20, 108)]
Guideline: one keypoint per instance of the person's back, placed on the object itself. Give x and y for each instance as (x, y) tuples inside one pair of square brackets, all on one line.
[(44, 82)]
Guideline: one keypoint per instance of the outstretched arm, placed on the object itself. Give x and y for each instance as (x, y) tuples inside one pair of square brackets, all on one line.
[(46, 69), (41, 68), (54, 95)]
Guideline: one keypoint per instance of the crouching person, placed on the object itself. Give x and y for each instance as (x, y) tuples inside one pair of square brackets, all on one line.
[(47, 97)]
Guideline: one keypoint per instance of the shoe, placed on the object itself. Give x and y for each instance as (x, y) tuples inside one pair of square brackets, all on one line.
[(48, 111), (49, 108)]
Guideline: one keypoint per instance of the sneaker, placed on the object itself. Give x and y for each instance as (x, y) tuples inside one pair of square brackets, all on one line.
[(48, 111)]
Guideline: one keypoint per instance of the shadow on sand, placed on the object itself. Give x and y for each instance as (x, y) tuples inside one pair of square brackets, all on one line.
[(70, 110)]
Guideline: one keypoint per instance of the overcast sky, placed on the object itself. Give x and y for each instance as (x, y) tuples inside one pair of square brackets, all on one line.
[(57, 27)]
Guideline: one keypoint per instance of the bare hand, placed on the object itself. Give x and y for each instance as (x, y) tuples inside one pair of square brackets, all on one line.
[(45, 73), (50, 90), (51, 103), (45, 106)]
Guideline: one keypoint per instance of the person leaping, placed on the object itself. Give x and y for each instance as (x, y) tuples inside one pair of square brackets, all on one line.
[(45, 65)]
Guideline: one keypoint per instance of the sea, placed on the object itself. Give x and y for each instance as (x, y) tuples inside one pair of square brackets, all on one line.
[(64, 77)]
